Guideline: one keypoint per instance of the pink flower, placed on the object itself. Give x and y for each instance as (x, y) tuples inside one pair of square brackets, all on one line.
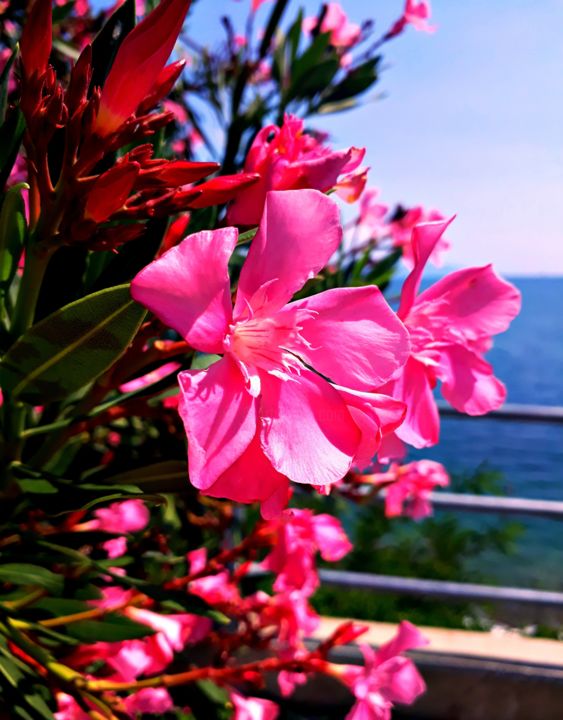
[(409, 486), (287, 158), (150, 378), (148, 701), (301, 534), (451, 325), (386, 678), (371, 224), (123, 517), (351, 186), (417, 14), (251, 708), (343, 33), (402, 225), (241, 414), (292, 616), (215, 589)]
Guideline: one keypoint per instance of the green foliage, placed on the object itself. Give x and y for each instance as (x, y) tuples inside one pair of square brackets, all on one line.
[(72, 347)]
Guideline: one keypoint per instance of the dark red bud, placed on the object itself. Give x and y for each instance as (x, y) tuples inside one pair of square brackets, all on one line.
[(164, 84), (221, 189), (37, 38), (110, 191)]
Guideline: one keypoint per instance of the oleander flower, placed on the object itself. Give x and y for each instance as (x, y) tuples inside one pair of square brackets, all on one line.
[(408, 487), (291, 398), (386, 678), (252, 708), (343, 32), (451, 325), (300, 535), (287, 158)]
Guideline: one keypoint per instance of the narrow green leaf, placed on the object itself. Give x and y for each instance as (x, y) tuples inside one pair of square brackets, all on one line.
[(11, 133), (356, 82), (4, 77), (113, 628), (107, 41), (165, 477), (27, 574), (13, 232), (71, 347)]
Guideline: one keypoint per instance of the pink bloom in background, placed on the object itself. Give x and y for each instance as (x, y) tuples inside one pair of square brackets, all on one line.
[(150, 378), (149, 701), (408, 487), (343, 33), (351, 186), (371, 224), (387, 678), (401, 229), (123, 517), (287, 158), (241, 413), (451, 325), (301, 534), (416, 13), (251, 708)]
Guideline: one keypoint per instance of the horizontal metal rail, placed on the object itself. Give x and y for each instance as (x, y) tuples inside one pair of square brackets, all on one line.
[(440, 588), (492, 504), (512, 411)]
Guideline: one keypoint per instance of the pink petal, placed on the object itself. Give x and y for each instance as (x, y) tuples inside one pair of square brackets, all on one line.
[(408, 637), (220, 419), (404, 683), (251, 478), (330, 538), (425, 237), (468, 383), (421, 427), (475, 302), (251, 708), (188, 288), (299, 231), (374, 414), (356, 339), (308, 433)]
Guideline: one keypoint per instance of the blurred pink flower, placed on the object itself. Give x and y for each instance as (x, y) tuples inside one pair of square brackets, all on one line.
[(343, 33), (288, 158), (251, 708), (240, 414), (417, 14), (300, 535), (401, 227), (408, 487), (148, 701), (150, 378), (387, 678), (123, 517), (451, 325), (351, 186)]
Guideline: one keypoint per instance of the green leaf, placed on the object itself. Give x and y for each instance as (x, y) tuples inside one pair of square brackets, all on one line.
[(165, 477), (71, 347), (356, 82), (308, 64), (11, 133), (112, 628), (10, 671), (202, 361), (13, 232), (4, 77), (107, 41), (27, 574)]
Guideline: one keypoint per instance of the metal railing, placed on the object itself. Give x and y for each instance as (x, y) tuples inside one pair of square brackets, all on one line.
[(470, 503)]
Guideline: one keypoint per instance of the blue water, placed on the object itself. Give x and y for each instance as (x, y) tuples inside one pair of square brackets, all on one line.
[(528, 358)]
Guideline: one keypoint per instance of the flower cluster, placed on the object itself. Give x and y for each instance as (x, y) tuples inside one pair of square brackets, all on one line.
[(234, 314)]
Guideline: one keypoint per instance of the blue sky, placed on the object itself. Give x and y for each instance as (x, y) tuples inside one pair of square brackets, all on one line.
[(470, 123)]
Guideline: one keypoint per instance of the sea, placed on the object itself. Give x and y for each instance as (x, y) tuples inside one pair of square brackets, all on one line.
[(528, 456)]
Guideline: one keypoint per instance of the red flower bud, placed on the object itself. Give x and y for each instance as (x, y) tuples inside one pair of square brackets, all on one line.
[(110, 191), (79, 80), (37, 38), (180, 172), (138, 64), (221, 189), (175, 233), (164, 84)]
